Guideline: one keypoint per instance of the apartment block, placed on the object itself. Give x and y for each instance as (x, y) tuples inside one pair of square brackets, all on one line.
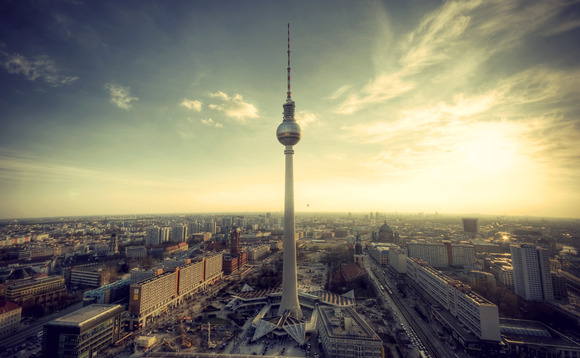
[(475, 313), (532, 277)]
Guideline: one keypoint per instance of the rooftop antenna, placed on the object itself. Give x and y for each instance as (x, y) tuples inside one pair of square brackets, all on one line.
[(289, 97)]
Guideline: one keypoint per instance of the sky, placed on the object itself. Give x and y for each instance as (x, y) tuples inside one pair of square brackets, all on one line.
[(127, 107)]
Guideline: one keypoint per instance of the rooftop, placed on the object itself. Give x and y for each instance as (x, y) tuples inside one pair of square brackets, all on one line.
[(86, 314)]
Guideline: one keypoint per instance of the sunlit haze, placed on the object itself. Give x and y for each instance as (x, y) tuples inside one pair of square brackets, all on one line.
[(127, 107)]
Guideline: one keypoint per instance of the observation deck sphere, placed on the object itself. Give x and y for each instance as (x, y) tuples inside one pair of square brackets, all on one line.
[(288, 133)]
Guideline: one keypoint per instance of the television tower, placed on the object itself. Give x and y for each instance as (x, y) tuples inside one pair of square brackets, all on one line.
[(288, 134)]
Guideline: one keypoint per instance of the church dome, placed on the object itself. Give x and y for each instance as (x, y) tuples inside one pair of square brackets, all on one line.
[(385, 228)]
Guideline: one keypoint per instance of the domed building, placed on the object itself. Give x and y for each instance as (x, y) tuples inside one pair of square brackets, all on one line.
[(386, 234)]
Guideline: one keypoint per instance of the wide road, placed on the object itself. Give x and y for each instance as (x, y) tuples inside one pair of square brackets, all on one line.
[(409, 317)]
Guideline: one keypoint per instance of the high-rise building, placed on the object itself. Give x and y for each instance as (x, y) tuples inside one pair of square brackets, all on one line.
[(470, 225), (532, 278), (288, 134), (179, 233), (152, 236), (164, 234)]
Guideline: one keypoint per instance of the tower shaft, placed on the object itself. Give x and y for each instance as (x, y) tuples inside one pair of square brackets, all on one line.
[(289, 276)]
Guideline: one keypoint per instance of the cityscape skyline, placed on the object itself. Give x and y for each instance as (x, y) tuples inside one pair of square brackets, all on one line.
[(128, 108)]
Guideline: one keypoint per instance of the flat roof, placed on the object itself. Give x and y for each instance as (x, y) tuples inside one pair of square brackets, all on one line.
[(87, 315)]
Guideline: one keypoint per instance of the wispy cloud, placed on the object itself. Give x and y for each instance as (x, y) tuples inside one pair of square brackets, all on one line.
[(451, 44), (121, 96), (211, 123), (193, 105), (39, 67), (305, 118), (233, 107)]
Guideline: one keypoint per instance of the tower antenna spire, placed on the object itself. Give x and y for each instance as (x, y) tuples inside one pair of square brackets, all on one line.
[(289, 93)]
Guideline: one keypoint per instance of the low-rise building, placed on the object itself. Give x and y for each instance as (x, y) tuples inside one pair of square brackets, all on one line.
[(10, 315), (44, 290), (344, 334)]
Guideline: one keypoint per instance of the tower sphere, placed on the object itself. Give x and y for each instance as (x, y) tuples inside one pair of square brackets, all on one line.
[(288, 133)]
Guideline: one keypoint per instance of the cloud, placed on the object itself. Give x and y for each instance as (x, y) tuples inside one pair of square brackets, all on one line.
[(450, 45), (305, 118), (38, 67), (121, 96), (233, 107), (211, 123), (191, 104)]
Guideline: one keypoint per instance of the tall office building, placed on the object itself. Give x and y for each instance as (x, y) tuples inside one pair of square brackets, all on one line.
[(532, 278), (288, 134)]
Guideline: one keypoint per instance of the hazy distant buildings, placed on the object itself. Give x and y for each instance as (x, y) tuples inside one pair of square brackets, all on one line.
[(153, 236), (532, 277), (470, 225)]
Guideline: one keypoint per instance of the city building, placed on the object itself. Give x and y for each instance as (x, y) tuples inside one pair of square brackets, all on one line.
[(44, 290), (386, 234), (139, 274), (523, 338), (380, 252), (398, 260), (116, 292), (179, 233), (89, 276), (359, 257), (504, 275), (164, 234), (470, 225), (237, 258), (256, 253), (84, 333), (153, 236), (136, 252), (532, 277), (113, 244), (151, 297), (10, 315), (344, 334), (435, 254), (478, 315)]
